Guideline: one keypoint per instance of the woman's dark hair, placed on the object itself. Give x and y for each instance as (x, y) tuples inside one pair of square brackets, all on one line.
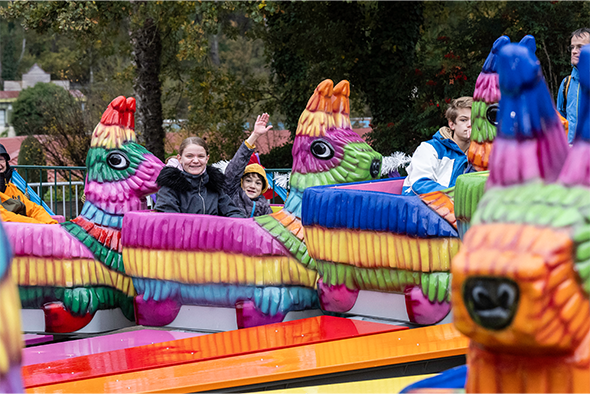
[(193, 141)]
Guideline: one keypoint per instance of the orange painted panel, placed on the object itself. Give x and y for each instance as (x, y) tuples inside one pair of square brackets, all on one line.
[(206, 347), (288, 363)]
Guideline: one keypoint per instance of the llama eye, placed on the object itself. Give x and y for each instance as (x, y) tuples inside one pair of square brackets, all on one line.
[(491, 114), (117, 160), (322, 149)]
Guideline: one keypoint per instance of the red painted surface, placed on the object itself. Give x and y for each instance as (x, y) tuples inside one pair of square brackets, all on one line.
[(207, 347), (58, 319)]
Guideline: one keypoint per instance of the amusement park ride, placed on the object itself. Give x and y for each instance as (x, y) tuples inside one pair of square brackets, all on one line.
[(349, 281)]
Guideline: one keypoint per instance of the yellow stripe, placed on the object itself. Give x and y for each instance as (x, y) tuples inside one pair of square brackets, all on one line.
[(220, 267), (32, 271), (10, 329), (372, 249)]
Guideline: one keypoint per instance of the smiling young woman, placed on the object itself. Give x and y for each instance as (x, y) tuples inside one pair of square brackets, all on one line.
[(196, 188)]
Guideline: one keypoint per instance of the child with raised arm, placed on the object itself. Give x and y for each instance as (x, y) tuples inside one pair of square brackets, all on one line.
[(245, 184)]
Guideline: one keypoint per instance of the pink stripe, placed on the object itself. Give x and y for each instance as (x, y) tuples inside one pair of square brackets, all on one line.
[(576, 170), (44, 240), (487, 88), (101, 344), (182, 231)]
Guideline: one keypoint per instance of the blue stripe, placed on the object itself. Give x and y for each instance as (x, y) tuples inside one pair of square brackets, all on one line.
[(333, 207)]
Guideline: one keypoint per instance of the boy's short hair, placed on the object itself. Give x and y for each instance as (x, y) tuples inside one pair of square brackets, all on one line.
[(254, 175), (580, 32), (453, 110)]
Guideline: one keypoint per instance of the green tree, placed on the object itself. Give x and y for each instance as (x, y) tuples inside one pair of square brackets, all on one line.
[(34, 110), (9, 56), (228, 86), (49, 110), (153, 29), (372, 44), (32, 153)]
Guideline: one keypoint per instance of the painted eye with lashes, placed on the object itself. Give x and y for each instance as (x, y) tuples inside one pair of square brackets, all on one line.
[(118, 160), (322, 149)]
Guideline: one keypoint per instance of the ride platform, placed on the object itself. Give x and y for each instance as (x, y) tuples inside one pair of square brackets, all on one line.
[(302, 353)]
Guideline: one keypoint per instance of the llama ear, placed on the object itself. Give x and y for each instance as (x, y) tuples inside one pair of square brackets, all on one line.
[(576, 170), (490, 64), (316, 119), (129, 116), (529, 42), (112, 115), (531, 142), (113, 129), (341, 105)]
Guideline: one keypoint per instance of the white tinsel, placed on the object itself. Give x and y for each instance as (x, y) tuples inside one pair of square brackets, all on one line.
[(394, 162), (281, 179), (221, 165)]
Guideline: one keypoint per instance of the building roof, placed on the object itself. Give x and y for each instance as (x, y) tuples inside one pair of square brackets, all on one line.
[(10, 94), (12, 146)]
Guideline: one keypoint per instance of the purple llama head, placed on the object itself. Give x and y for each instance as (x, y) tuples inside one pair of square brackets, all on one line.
[(326, 150)]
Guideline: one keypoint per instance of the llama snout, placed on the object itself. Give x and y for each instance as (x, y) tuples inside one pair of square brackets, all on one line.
[(491, 302)]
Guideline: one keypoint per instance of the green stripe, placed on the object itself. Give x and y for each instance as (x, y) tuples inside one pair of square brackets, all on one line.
[(434, 285), (100, 171), (78, 301), (109, 257), (293, 244)]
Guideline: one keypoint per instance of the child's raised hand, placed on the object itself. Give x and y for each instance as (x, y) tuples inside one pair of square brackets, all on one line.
[(260, 127)]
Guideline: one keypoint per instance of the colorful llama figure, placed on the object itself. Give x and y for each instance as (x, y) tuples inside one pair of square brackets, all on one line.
[(521, 281), (470, 187), (72, 270), (10, 328), (258, 266), (485, 108)]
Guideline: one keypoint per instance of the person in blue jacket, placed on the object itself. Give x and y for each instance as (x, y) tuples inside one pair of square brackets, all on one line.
[(569, 90), (437, 163)]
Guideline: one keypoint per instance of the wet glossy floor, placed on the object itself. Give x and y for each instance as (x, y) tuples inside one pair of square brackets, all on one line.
[(130, 362)]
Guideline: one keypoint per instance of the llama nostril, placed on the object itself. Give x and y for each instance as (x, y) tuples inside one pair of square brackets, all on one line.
[(491, 302), (375, 168)]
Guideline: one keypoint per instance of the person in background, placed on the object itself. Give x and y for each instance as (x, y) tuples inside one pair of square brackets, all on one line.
[(197, 187), (14, 206), (569, 90), (437, 163), (245, 184)]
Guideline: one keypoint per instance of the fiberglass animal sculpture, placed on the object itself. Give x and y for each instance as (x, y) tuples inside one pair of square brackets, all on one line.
[(10, 327), (470, 187), (483, 131), (485, 108), (72, 270), (259, 266), (521, 281), (367, 238)]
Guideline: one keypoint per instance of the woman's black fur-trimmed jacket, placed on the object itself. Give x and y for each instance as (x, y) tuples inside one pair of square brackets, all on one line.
[(186, 193)]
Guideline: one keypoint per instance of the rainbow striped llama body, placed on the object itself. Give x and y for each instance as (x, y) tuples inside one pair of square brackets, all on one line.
[(258, 266), (75, 269)]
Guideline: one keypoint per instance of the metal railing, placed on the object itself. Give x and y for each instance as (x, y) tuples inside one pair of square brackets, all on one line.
[(275, 197), (67, 203), (62, 181)]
